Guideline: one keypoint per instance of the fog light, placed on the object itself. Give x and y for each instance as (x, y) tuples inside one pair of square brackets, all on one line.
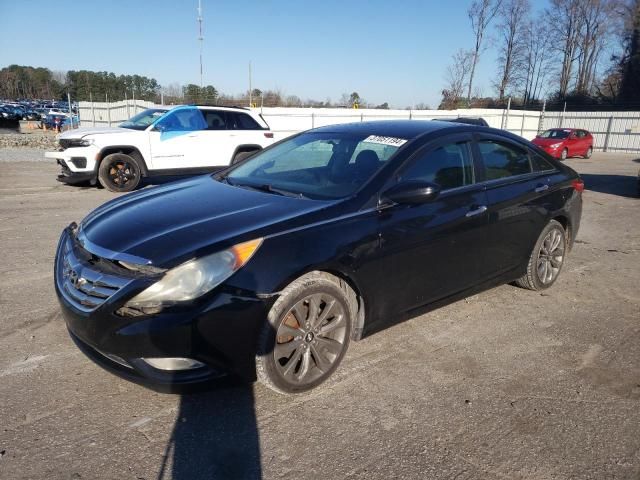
[(173, 363)]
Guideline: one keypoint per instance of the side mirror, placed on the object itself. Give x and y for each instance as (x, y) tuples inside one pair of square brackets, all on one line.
[(412, 192), (159, 127)]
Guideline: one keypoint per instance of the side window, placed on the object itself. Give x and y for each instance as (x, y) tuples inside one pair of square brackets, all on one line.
[(449, 166), (503, 160), (215, 119), (539, 164), (242, 121), (182, 120)]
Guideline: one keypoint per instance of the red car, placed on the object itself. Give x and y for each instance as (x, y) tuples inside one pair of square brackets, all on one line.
[(565, 142)]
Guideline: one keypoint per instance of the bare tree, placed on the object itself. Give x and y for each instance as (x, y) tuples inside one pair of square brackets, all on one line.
[(537, 59), (480, 13), (513, 16), (565, 32), (596, 21), (456, 78)]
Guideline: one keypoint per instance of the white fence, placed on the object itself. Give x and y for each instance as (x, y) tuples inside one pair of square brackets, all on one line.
[(613, 131), (103, 114)]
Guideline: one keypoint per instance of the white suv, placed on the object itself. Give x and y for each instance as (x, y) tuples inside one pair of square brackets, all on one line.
[(178, 141)]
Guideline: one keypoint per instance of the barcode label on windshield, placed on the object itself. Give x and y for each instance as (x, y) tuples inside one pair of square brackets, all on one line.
[(391, 141)]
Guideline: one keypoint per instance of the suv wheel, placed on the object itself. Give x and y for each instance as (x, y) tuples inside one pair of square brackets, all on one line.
[(119, 173)]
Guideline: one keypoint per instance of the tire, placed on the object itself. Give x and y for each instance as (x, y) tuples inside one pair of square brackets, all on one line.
[(238, 157), (293, 354), (553, 240), (119, 173), (564, 154), (589, 152)]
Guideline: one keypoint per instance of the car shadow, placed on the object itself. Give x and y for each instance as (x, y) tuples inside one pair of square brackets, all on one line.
[(637, 160), (215, 435), (621, 185)]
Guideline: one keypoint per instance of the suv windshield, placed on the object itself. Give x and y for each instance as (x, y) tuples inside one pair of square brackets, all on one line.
[(316, 165), (143, 119), (555, 134)]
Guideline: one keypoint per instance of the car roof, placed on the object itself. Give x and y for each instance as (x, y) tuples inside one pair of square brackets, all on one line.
[(408, 129)]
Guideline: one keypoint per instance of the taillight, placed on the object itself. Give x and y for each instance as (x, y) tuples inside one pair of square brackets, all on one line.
[(578, 185), (268, 134)]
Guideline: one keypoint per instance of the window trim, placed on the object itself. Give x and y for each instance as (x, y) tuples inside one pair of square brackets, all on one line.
[(430, 147), (496, 138)]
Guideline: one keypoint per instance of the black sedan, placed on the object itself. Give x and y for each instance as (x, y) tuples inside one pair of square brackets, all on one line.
[(271, 267)]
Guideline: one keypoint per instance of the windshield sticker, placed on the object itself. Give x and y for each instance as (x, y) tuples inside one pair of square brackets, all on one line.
[(391, 141)]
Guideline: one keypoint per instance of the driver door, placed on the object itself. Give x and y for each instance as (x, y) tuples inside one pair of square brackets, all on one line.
[(177, 141), (432, 250)]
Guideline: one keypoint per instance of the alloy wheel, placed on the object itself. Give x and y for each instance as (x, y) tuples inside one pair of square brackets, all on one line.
[(551, 256), (310, 339), (121, 173)]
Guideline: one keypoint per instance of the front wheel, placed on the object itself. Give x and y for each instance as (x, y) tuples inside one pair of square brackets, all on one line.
[(546, 259), (307, 334), (589, 152), (119, 173), (564, 154)]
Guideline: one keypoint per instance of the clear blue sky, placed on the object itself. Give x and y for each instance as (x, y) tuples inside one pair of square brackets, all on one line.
[(394, 51)]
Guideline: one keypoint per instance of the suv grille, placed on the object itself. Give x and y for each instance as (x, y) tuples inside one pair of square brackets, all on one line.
[(80, 279)]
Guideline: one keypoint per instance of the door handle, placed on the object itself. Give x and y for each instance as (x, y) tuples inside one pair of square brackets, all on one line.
[(477, 211), (541, 188)]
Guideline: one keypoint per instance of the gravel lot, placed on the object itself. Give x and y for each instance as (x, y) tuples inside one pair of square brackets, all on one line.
[(506, 384)]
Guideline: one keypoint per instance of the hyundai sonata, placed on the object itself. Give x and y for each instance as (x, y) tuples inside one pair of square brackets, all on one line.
[(268, 269)]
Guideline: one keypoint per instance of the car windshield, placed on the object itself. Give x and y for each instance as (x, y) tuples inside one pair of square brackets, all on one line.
[(143, 119), (555, 134), (317, 165)]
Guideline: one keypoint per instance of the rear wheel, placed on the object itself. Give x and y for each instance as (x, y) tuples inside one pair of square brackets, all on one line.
[(119, 173), (589, 152), (564, 154), (546, 259), (307, 334)]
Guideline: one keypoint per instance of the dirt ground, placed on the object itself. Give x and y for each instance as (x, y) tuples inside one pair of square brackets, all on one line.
[(506, 384)]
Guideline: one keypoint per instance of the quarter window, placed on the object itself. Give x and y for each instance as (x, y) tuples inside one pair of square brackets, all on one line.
[(449, 166), (502, 160), (540, 164), (242, 121)]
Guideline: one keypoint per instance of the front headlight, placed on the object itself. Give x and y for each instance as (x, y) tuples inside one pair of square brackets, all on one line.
[(194, 278), (555, 145)]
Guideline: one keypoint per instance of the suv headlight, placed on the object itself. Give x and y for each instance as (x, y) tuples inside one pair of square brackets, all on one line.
[(193, 278)]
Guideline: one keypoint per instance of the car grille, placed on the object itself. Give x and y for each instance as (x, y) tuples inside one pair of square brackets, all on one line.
[(81, 276)]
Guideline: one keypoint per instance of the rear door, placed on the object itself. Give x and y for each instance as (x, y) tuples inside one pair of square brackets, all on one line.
[(247, 131), (432, 250), (518, 204)]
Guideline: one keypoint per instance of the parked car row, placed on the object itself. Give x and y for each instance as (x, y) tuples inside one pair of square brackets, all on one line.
[(34, 110)]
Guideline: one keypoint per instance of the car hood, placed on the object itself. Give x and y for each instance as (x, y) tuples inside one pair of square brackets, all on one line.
[(170, 224), (545, 142), (83, 132)]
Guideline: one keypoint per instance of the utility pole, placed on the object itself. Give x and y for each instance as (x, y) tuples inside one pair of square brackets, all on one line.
[(250, 91), (200, 38)]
